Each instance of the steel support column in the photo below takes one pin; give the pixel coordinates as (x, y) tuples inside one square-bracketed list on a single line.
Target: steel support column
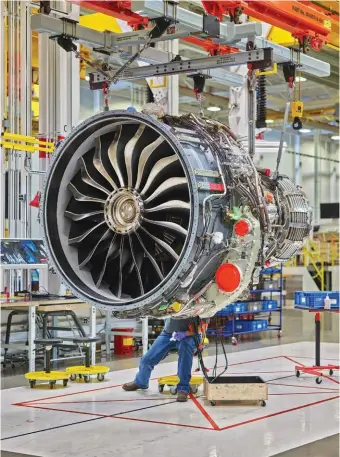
[(13, 116), (25, 109), (108, 333), (297, 174), (93, 333), (317, 178), (3, 14), (173, 81), (145, 334), (67, 87), (47, 107), (31, 338), (334, 173)]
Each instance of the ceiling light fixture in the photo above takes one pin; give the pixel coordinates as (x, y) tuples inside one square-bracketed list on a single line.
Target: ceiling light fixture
[(304, 131), (335, 137), (269, 121), (300, 79), (214, 108)]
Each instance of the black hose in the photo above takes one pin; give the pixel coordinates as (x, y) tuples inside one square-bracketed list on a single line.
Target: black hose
[(261, 102)]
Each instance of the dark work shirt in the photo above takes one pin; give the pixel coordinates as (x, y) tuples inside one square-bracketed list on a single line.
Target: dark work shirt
[(177, 325)]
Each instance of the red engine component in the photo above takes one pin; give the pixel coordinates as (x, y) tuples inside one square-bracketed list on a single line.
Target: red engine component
[(228, 277), (242, 227)]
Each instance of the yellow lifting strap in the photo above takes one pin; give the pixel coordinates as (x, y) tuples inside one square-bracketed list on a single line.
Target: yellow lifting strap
[(8, 141)]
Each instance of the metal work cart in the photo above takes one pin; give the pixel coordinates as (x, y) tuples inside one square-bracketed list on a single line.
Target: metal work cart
[(315, 302), (239, 318)]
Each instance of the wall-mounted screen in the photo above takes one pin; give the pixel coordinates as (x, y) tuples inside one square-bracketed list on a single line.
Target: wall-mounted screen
[(20, 251), (329, 210)]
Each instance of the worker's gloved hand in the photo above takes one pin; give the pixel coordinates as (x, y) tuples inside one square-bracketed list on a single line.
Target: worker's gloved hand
[(179, 336)]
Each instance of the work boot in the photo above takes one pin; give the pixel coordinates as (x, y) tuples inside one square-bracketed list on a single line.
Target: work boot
[(130, 386), (182, 397)]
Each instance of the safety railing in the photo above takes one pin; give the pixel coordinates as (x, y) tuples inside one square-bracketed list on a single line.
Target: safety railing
[(319, 252), (312, 258), (328, 246)]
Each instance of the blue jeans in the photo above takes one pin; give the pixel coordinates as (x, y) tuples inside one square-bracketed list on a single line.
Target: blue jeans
[(158, 351)]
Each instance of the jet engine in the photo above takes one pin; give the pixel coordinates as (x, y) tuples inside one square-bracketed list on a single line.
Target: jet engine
[(160, 217)]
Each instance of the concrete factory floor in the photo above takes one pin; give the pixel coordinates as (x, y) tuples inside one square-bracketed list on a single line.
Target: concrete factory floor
[(301, 418)]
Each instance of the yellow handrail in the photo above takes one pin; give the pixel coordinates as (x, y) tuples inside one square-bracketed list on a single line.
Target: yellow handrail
[(312, 250), (311, 256)]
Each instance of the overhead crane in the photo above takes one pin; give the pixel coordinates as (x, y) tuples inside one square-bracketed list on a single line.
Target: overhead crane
[(184, 25), (228, 43), (306, 22), (308, 25)]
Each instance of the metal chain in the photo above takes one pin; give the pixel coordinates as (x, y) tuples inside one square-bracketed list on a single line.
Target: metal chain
[(312, 156), (115, 78)]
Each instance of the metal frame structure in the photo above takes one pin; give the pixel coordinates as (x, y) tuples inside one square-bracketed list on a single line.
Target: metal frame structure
[(109, 41), (31, 347), (260, 58)]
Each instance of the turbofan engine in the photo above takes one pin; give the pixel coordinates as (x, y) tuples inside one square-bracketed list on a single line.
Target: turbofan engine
[(170, 216)]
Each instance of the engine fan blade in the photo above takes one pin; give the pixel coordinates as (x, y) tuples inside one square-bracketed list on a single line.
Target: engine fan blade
[(99, 270), (161, 243), (165, 186), (79, 217), (157, 168), (137, 261), (170, 225), (82, 197), (83, 262), (79, 238), (129, 151), (77, 210), (152, 260), (98, 163), (177, 204), (113, 155), (85, 176), (145, 155)]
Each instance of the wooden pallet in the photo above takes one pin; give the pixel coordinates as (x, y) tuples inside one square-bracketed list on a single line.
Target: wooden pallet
[(236, 388)]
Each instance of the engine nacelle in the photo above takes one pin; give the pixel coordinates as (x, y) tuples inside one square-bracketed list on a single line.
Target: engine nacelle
[(161, 217)]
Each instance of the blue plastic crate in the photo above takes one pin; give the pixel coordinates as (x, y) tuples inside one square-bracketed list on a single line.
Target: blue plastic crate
[(255, 307), (316, 300), (269, 305), (270, 271), (221, 331), (250, 326), (228, 326), (240, 307), (227, 311)]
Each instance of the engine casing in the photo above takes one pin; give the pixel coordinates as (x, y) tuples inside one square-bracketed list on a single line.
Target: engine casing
[(139, 215)]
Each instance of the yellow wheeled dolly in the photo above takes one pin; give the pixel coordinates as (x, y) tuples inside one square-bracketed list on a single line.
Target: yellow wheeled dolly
[(86, 371), (172, 382), (47, 376)]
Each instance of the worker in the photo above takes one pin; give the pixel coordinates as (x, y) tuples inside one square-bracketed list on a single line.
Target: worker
[(177, 333)]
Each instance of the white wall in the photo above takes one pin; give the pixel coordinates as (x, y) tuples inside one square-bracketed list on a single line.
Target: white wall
[(318, 178), (120, 97)]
